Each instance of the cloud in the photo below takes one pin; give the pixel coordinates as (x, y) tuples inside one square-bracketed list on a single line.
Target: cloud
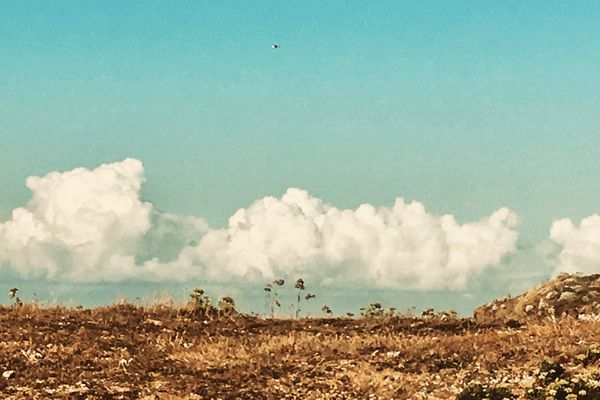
[(91, 225), (398, 247), (84, 225), (579, 246)]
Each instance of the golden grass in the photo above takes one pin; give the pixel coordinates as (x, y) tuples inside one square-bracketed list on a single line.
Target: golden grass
[(127, 351)]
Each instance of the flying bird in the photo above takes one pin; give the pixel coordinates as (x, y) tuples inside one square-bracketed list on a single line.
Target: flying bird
[(275, 45)]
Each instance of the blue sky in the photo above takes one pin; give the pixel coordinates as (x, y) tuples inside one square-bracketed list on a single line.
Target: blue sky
[(464, 106)]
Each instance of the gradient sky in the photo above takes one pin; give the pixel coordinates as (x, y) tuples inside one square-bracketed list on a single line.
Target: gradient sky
[(463, 106)]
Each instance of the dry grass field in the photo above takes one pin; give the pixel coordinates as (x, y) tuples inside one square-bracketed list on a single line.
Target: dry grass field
[(164, 352)]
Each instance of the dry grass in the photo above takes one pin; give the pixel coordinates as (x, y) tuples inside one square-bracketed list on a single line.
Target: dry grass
[(163, 352)]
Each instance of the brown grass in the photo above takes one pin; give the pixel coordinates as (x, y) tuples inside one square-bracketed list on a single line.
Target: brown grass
[(161, 352)]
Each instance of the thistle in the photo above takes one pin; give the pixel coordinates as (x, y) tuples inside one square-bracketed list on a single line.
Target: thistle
[(273, 301), (300, 286), (268, 289), (12, 294)]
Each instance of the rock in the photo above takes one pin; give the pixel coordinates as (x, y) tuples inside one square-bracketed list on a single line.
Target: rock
[(542, 304), (528, 308), (578, 288), (566, 296), (9, 374), (551, 295), (562, 275)]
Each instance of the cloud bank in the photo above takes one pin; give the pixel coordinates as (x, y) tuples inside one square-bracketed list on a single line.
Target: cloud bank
[(579, 245), (91, 225)]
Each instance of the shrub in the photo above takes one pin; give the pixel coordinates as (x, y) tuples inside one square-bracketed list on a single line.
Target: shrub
[(483, 392), (226, 306), (201, 304), (591, 356), (550, 371), (584, 387), (373, 310), (428, 313), (553, 383)]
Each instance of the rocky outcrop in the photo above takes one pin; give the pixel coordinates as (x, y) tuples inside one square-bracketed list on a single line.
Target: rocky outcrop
[(567, 294)]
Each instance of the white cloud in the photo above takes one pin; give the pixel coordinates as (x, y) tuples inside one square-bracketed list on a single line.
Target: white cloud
[(398, 247), (579, 246), (87, 225), (80, 225)]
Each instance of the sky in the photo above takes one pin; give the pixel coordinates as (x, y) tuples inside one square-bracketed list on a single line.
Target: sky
[(464, 108)]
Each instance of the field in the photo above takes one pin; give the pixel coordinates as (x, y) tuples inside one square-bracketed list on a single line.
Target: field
[(164, 352)]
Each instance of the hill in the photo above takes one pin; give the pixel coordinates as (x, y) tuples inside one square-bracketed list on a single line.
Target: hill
[(566, 295)]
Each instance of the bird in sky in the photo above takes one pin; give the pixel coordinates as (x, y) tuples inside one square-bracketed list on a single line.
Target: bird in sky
[(275, 45)]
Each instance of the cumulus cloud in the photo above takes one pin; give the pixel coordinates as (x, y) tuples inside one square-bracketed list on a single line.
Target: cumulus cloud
[(399, 247), (579, 245), (92, 225), (83, 225)]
